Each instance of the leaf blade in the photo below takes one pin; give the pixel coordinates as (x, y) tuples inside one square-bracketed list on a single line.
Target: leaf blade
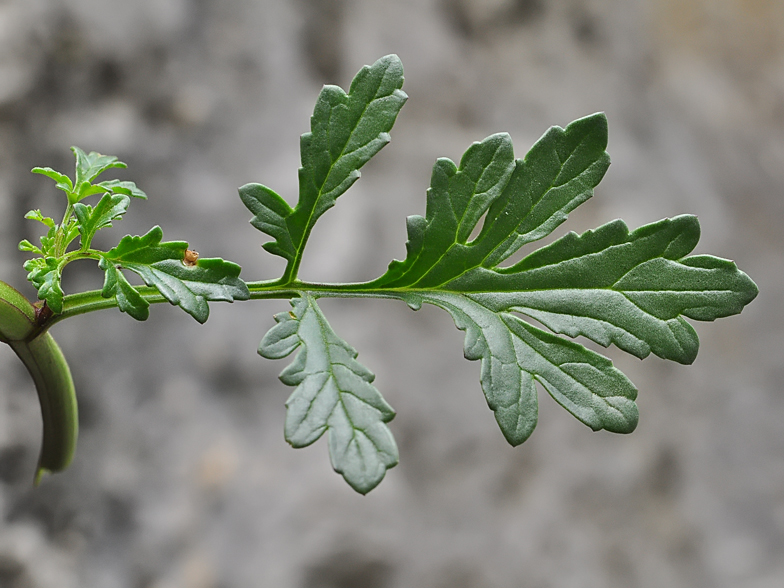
[(160, 264), (514, 354), (123, 187), (612, 285), (91, 219), (44, 274), (90, 165), (347, 130), (334, 395), (129, 300), (525, 200), (62, 181)]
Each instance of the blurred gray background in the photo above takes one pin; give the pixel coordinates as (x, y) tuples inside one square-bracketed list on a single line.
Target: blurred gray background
[(182, 478)]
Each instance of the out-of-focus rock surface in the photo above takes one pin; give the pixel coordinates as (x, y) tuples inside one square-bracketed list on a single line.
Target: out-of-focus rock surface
[(182, 478)]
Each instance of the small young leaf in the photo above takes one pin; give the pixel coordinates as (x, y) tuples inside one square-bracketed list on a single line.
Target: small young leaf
[(70, 232), (334, 394), (38, 216), (161, 265), (346, 131), (48, 242), (44, 273), (122, 187), (92, 219), (63, 182), (56, 238), (25, 245), (90, 165)]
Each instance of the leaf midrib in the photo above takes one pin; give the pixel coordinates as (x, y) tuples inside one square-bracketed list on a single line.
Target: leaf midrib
[(323, 328)]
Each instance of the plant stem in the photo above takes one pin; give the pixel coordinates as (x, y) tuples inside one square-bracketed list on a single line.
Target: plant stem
[(84, 302)]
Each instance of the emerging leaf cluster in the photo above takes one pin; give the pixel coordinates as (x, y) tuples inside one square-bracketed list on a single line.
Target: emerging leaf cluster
[(160, 264)]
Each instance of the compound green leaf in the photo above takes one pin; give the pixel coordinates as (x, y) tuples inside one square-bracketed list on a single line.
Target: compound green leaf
[(161, 264), (525, 200), (633, 289), (611, 285), (346, 131), (334, 394)]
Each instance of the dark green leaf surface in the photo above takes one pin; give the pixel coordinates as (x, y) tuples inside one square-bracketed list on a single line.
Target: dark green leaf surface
[(614, 286), (334, 394), (160, 264), (610, 285), (525, 200), (346, 131)]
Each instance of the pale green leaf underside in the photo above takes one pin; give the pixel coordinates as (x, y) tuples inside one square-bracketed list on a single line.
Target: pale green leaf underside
[(514, 354), (334, 394), (91, 165)]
